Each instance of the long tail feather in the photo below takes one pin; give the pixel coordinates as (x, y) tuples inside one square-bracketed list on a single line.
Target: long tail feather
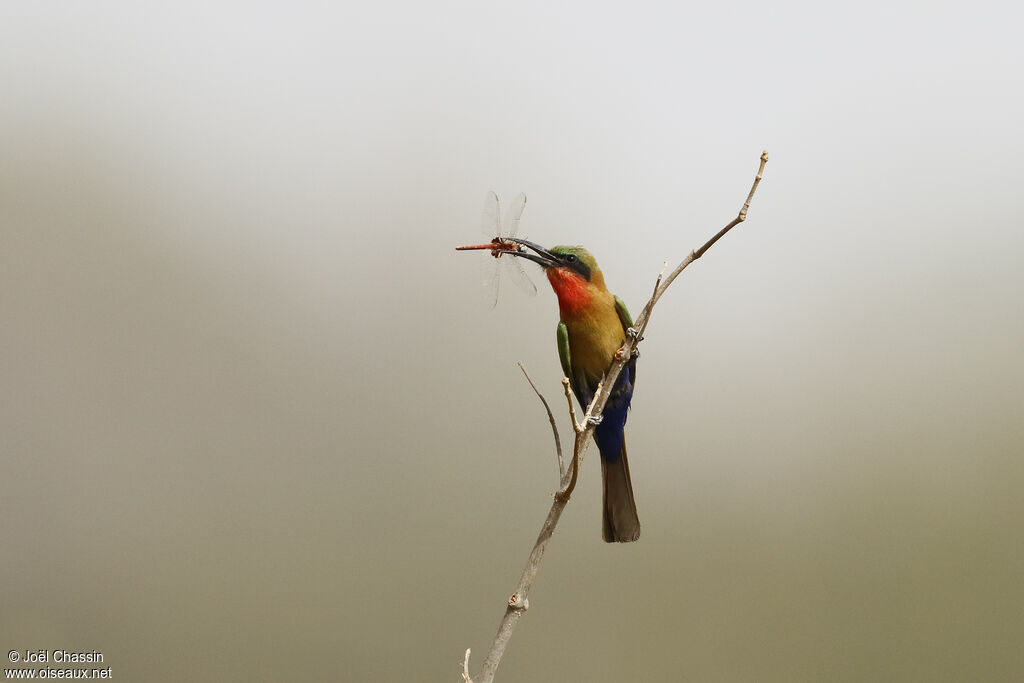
[(621, 524)]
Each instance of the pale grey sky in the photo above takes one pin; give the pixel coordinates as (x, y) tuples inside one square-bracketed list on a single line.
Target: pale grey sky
[(258, 422)]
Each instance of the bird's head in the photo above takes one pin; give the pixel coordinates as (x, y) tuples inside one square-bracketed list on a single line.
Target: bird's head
[(572, 272)]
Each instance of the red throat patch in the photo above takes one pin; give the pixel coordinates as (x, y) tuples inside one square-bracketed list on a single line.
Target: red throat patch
[(572, 290)]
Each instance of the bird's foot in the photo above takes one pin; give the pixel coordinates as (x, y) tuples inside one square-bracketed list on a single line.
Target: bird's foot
[(595, 419)]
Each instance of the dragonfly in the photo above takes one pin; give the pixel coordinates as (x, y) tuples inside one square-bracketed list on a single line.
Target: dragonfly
[(501, 234)]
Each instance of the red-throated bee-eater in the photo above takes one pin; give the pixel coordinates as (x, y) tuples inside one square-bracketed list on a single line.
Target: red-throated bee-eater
[(593, 326)]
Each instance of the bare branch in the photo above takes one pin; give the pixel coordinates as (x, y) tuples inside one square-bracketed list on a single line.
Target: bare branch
[(551, 419), (465, 668), (518, 602)]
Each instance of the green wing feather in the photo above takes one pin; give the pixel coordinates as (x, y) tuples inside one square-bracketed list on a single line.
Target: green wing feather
[(624, 317), (627, 322), (563, 351)]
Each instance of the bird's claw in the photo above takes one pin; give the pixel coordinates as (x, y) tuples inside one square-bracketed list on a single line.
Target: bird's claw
[(595, 419), (631, 332)]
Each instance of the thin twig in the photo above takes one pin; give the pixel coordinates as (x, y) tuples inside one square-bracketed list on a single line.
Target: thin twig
[(740, 217), (551, 419), (518, 603), (576, 427), (588, 416), (465, 668), (567, 486)]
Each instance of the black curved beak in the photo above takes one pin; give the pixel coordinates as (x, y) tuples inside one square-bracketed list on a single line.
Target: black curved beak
[(543, 257)]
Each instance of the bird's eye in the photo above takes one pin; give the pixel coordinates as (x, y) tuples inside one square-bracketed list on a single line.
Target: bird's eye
[(571, 258)]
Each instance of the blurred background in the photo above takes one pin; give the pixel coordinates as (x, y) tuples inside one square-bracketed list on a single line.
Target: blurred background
[(258, 422)]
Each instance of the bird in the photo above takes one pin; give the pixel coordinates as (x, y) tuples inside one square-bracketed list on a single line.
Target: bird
[(593, 323)]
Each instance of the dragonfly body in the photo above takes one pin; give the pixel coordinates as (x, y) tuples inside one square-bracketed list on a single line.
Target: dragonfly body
[(496, 246)]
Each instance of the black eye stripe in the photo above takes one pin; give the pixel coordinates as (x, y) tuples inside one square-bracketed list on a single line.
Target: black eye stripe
[(576, 264)]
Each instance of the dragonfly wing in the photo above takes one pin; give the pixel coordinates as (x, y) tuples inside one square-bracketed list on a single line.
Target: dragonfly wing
[(493, 283), (515, 210), (517, 274), (514, 270), (490, 224), (492, 227)]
